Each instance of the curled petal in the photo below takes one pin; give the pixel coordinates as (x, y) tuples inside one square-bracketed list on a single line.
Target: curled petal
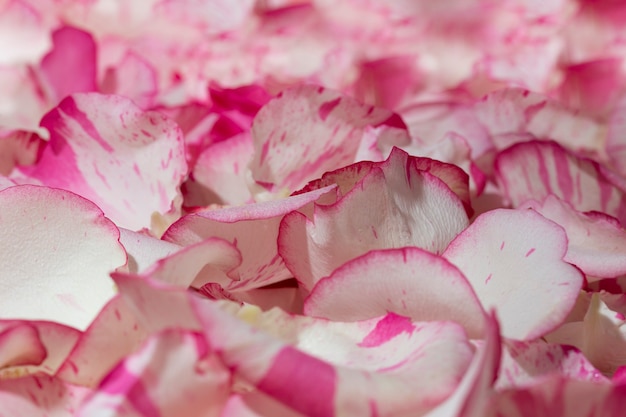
[(392, 206)]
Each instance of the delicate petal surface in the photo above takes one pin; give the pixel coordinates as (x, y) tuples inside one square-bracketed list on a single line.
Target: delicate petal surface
[(58, 244), (521, 273)]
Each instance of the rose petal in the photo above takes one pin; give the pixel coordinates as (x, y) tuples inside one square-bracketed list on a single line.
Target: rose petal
[(104, 148), (71, 248), (507, 256), (410, 282), (253, 229), (143, 382), (595, 242), (308, 130), (73, 51), (393, 206)]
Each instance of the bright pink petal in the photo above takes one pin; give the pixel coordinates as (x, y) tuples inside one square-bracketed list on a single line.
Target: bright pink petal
[(59, 251), (253, 229), (104, 148), (173, 374), (73, 52), (308, 130), (534, 170), (410, 282), (393, 206), (514, 261), (595, 242)]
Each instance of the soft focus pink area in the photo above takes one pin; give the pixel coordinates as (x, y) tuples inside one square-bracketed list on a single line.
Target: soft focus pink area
[(324, 208)]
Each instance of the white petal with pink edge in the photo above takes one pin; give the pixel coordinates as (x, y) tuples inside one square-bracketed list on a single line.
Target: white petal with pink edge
[(596, 242), (392, 206), (409, 281), (514, 261), (58, 252)]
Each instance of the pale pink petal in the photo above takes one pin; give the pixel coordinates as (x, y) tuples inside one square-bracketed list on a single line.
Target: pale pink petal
[(473, 394), (73, 52), (59, 250), (220, 173), (40, 396), (104, 148), (514, 261), (600, 336), (209, 16), (252, 229), (23, 34), (20, 345), (173, 374), (54, 341), (143, 250), (18, 148), (593, 86), (210, 260), (114, 334), (308, 130), (561, 396), (387, 365), (534, 170), (410, 282), (595, 242), (132, 77), (430, 123), (512, 113), (256, 404), (527, 363), (615, 140), (393, 206)]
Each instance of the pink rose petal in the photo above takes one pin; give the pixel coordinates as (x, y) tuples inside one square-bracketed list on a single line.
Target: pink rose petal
[(104, 148), (73, 51), (534, 170), (514, 262), (253, 229), (395, 205), (59, 250), (143, 383), (595, 242), (409, 281), (308, 130)]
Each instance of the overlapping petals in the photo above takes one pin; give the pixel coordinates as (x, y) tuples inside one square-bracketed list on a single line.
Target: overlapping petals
[(312, 208)]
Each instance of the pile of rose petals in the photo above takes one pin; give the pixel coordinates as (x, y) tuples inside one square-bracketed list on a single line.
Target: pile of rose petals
[(283, 208)]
